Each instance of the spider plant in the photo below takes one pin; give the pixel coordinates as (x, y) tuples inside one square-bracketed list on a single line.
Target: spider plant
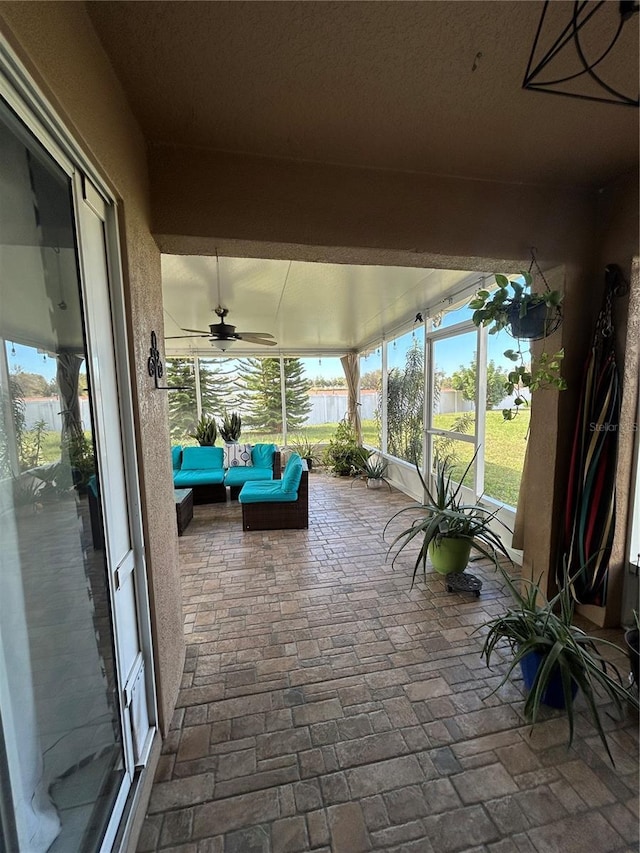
[(566, 653), (443, 515)]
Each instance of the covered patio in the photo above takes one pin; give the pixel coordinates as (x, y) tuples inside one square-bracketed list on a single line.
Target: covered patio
[(327, 706)]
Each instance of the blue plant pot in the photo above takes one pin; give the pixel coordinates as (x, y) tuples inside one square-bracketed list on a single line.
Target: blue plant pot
[(553, 696)]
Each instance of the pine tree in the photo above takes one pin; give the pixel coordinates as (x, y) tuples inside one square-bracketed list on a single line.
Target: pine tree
[(218, 386), (217, 393), (260, 401), (183, 413)]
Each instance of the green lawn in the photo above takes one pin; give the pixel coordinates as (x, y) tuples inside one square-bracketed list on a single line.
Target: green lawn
[(504, 454)]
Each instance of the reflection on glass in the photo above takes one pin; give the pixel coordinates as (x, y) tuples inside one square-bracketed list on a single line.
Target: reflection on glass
[(58, 697), (371, 397), (405, 396)]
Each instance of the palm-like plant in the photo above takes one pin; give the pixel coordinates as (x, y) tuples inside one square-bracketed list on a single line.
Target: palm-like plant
[(374, 468), (205, 432), (565, 652), (443, 515), (305, 448), (231, 427)]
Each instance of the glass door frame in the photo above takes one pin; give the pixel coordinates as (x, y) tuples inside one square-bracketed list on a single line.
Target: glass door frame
[(433, 336), (26, 100)]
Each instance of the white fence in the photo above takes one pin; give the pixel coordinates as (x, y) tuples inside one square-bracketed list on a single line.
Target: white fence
[(331, 407), (48, 409), (326, 408)]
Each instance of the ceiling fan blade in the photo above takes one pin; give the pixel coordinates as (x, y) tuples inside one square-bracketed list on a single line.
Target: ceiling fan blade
[(175, 337), (256, 339), (199, 331), (255, 334)]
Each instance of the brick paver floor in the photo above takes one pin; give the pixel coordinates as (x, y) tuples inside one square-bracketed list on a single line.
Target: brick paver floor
[(326, 706)]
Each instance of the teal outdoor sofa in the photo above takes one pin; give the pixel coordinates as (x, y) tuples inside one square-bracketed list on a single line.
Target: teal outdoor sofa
[(278, 505), (202, 469)]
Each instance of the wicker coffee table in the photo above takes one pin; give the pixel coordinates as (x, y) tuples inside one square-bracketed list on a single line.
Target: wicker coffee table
[(184, 508)]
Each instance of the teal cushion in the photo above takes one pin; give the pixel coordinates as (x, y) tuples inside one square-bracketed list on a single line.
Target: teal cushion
[(193, 477), (240, 475), (198, 458), (176, 457), (92, 485), (262, 455), (255, 493), (292, 473)]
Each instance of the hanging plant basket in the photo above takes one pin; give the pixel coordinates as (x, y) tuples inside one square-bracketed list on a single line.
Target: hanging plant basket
[(538, 322)]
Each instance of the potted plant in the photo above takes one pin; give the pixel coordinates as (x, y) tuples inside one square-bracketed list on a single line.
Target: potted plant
[(81, 458), (206, 432), (515, 307), (308, 451), (528, 316), (446, 528), (556, 657), (374, 470), (230, 428), (344, 455)]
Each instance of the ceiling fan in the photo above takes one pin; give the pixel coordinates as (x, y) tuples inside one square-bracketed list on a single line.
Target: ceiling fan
[(222, 335)]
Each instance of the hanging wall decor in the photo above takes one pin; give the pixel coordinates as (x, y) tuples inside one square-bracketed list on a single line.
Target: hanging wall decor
[(590, 508)]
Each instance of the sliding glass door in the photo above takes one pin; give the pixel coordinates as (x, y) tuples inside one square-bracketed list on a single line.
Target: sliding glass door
[(73, 708)]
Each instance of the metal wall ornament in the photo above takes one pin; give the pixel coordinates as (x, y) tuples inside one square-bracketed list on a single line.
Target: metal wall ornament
[(583, 53), (156, 369)]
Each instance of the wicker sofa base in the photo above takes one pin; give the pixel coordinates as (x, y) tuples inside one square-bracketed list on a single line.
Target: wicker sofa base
[(276, 515)]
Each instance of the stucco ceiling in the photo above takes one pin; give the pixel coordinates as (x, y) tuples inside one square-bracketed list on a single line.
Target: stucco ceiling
[(430, 87), (421, 86), (307, 307)]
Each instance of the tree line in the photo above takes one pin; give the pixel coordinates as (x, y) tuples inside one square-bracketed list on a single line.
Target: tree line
[(250, 386)]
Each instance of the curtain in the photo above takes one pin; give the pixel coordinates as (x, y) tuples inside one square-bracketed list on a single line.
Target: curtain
[(68, 377), (351, 366)]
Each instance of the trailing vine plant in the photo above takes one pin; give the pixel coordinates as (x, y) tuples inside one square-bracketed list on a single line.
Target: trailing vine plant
[(506, 308)]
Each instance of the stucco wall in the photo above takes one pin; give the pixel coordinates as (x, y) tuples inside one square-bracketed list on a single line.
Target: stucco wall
[(59, 47), (208, 194)]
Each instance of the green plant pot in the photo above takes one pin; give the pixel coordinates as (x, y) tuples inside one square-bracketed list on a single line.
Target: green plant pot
[(450, 555)]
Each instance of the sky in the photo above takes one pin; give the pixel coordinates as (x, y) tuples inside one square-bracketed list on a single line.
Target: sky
[(30, 360), (450, 354)]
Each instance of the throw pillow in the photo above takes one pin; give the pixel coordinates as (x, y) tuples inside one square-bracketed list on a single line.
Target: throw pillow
[(236, 455)]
